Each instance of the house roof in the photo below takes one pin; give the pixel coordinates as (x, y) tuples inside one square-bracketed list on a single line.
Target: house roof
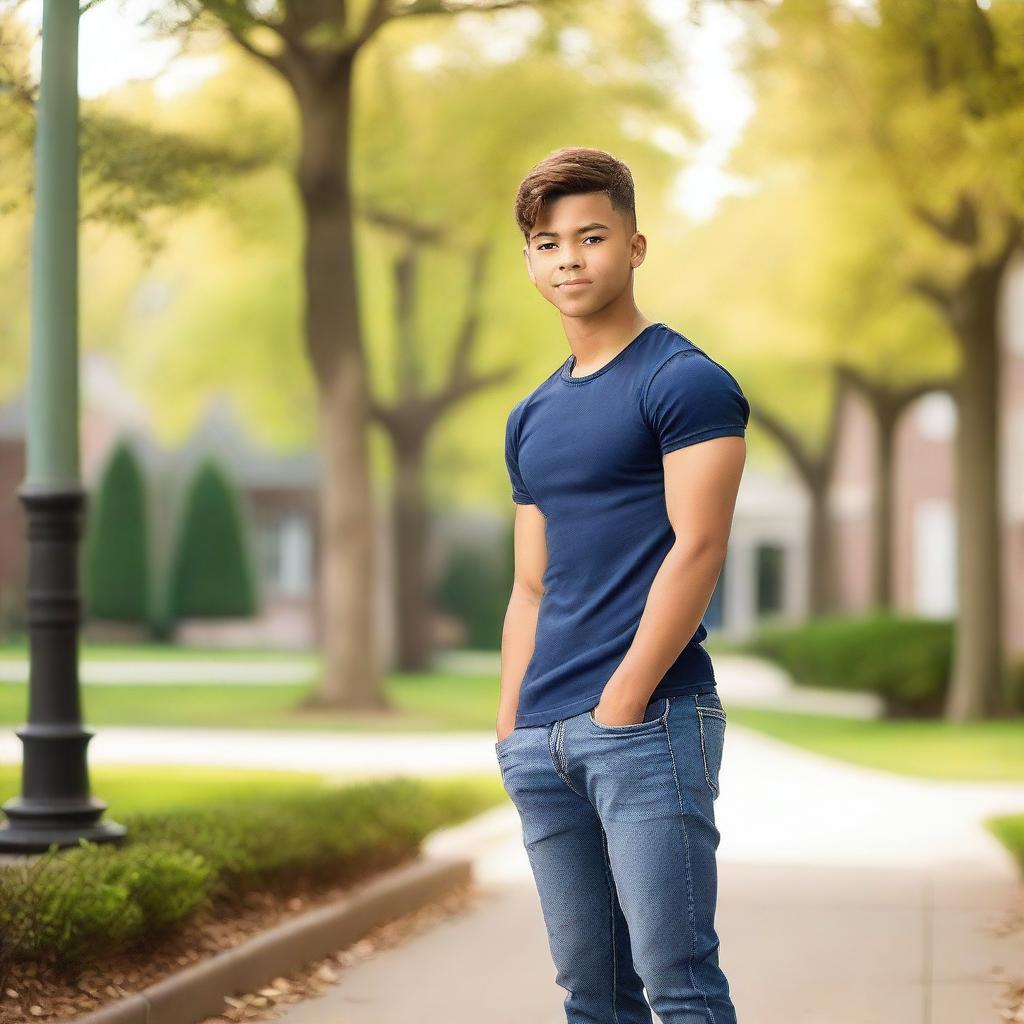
[(111, 413)]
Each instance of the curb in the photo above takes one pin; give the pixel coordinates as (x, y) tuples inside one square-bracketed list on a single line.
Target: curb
[(198, 991)]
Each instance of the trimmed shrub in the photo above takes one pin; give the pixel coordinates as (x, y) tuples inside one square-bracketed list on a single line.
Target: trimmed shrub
[(116, 545), (79, 903), (474, 587), (906, 660), (73, 908), (212, 574)]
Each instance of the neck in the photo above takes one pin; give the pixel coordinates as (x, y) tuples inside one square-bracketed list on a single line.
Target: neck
[(595, 340)]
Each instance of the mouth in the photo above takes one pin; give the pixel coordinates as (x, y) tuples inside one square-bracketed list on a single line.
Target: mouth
[(572, 284)]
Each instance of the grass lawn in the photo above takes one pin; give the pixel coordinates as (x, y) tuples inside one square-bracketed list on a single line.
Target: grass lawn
[(161, 788), (128, 789), (423, 703), (977, 751), (1009, 830)]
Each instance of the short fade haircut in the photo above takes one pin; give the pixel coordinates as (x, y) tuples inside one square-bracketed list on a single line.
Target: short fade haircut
[(570, 171)]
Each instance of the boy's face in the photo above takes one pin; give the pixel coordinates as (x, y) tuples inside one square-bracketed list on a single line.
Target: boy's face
[(582, 237)]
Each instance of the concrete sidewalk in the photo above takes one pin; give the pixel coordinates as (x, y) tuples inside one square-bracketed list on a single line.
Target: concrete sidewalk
[(800, 946), (179, 671), (847, 896)]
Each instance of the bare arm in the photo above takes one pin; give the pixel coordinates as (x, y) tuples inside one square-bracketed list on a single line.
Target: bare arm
[(520, 626), (701, 483)]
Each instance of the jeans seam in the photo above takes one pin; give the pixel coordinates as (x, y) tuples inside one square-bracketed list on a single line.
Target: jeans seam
[(611, 922), (557, 756), (711, 711), (689, 877), (704, 756)]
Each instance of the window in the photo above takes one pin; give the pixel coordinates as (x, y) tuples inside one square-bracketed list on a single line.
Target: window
[(768, 567), (286, 555), (935, 558)]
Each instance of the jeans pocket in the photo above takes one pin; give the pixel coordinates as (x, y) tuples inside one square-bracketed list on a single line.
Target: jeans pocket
[(710, 703), (712, 743), (653, 720), (502, 743)]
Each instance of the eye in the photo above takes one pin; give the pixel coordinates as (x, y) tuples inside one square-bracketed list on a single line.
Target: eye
[(544, 245)]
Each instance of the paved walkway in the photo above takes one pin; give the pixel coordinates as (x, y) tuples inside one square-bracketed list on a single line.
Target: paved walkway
[(847, 896), (180, 671)]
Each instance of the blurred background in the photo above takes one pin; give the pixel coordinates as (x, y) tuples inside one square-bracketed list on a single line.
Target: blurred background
[(304, 317), (831, 201)]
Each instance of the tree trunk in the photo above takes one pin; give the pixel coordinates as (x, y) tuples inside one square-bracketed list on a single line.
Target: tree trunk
[(976, 687), (413, 604), (815, 470), (821, 576), (348, 626), (882, 597)]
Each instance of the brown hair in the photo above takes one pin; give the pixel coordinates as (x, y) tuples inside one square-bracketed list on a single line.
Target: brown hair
[(570, 171)]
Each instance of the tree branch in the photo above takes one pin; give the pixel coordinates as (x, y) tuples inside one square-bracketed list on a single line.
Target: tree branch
[(272, 59), (961, 227), (788, 438), (458, 368), (932, 291), (413, 231), (419, 7), (378, 15)]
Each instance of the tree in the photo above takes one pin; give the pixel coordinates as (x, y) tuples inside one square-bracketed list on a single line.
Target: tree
[(128, 168), (887, 403), (459, 216), (116, 549), (436, 157), (821, 317), (959, 76), (211, 574), (313, 48)]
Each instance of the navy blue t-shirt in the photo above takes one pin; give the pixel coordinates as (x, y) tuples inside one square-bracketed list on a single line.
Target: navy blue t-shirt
[(587, 452)]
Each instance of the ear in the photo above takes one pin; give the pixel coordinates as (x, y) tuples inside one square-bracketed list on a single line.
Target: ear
[(638, 249), (529, 266)]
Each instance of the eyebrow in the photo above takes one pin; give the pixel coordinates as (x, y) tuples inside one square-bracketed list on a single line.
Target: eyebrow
[(579, 231)]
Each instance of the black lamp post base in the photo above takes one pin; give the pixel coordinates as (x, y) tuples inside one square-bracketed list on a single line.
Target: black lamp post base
[(55, 805), (34, 829)]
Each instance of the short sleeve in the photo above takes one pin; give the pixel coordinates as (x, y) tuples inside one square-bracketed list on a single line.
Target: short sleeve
[(520, 493), (692, 398)]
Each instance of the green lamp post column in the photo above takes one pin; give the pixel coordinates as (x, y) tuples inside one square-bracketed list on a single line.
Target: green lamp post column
[(55, 805)]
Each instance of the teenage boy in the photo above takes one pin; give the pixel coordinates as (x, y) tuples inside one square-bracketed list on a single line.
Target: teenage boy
[(625, 463)]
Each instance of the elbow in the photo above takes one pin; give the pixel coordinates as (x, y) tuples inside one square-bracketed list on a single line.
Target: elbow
[(711, 545), (527, 591)]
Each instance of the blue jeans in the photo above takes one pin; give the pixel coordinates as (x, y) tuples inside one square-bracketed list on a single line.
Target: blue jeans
[(619, 826)]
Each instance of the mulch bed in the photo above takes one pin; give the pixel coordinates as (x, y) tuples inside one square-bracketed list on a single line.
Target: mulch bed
[(32, 994)]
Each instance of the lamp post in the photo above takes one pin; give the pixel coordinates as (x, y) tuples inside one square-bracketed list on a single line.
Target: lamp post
[(55, 805)]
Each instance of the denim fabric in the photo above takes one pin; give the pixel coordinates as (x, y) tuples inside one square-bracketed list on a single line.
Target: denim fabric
[(619, 826)]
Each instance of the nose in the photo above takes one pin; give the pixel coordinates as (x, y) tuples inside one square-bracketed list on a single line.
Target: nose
[(570, 260)]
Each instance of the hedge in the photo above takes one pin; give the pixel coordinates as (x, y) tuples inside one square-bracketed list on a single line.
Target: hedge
[(904, 659), (75, 907), (212, 572), (116, 572)]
